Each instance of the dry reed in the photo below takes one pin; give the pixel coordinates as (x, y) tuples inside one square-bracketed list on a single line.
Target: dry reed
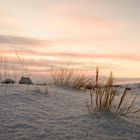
[(103, 98), (67, 77)]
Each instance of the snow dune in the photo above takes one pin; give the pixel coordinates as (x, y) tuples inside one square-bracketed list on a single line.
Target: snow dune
[(27, 114)]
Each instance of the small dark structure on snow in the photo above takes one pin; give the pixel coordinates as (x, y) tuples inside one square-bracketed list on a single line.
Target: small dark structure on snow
[(25, 80), (8, 81)]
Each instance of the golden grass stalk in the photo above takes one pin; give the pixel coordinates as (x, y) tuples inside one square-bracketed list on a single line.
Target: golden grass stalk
[(104, 97), (67, 77)]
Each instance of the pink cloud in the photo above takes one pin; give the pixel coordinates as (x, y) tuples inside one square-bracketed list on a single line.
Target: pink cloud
[(31, 63), (82, 26), (73, 17), (63, 54), (74, 14), (98, 22)]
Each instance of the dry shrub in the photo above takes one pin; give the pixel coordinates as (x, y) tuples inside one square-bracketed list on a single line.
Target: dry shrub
[(126, 105), (67, 77), (62, 76), (103, 98)]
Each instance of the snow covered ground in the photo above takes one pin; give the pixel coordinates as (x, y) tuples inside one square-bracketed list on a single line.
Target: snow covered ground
[(28, 113)]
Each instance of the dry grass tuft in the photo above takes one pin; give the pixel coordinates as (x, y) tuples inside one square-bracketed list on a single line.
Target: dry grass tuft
[(67, 77), (103, 98)]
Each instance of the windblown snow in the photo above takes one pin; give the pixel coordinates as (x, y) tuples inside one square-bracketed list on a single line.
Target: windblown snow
[(29, 113)]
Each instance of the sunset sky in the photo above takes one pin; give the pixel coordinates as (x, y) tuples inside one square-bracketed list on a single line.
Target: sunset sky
[(90, 33)]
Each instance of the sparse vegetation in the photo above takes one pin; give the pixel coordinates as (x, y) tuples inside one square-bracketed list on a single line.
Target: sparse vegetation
[(103, 98), (67, 77)]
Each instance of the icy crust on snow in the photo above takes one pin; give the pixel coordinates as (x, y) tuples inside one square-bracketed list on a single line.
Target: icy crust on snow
[(28, 113)]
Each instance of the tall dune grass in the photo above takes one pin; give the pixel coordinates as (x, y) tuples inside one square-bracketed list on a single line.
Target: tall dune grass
[(67, 77), (103, 98)]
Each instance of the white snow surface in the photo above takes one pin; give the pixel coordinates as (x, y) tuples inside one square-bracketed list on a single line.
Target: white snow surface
[(27, 112)]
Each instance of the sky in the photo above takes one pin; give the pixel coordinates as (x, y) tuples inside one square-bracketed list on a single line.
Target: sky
[(88, 33)]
